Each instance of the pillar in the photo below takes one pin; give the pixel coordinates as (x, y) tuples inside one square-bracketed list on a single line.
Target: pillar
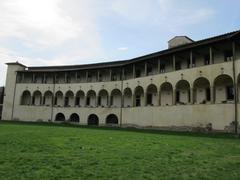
[(191, 96), (212, 95), (210, 55), (145, 68), (174, 97), (159, 64), (191, 59), (134, 71), (174, 62)]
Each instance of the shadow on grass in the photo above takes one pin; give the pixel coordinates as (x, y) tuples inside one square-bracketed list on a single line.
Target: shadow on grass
[(127, 129)]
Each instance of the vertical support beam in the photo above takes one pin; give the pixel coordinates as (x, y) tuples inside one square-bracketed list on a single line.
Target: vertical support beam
[(235, 88), (145, 68), (98, 75), (174, 62), (134, 73), (191, 59), (123, 74), (174, 97), (86, 76), (110, 74), (44, 78), (65, 77), (210, 55), (212, 95), (191, 96), (159, 64), (33, 77)]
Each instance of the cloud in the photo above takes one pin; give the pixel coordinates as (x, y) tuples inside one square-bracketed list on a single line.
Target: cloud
[(123, 48)]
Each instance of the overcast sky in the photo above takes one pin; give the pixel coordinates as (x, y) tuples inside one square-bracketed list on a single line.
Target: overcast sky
[(58, 32)]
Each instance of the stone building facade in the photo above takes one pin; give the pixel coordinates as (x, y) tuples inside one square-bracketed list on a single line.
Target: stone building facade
[(1, 100), (191, 85)]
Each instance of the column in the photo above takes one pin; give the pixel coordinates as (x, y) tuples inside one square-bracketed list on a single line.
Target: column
[(123, 74), (174, 97), (134, 71), (212, 95), (210, 55), (159, 64), (191, 96), (110, 74), (86, 77), (98, 75), (191, 59), (145, 68), (174, 62)]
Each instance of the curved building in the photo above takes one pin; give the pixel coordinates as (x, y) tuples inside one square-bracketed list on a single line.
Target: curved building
[(192, 85)]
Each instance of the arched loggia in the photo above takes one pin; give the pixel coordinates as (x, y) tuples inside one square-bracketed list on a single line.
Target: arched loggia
[(152, 95), (182, 92), (166, 94), (26, 98), (201, 91), (127, 97)]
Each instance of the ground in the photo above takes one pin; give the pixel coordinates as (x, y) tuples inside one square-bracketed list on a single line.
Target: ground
[(46, 151)]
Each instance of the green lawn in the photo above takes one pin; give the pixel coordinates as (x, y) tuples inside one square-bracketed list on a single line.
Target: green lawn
[(36, 151)]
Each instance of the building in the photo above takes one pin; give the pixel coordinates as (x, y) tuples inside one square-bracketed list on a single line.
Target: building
[(191, 85), (1, 100)]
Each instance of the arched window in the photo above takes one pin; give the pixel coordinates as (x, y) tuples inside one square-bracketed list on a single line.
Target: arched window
[(60, 117), (166, 94), (127, 97), (79, 100), (152, 95), (69, 99), (91, 98), (58, 99), (182, 92), (139, 96), (112, 119), (201, 90), (48, 98), (37, 98), (74, 118), (224, 91), (26, 98), (103, 98), (116, 98), (93, 120)]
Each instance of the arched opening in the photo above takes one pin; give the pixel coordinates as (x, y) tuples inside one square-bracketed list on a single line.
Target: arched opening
[(139, 96), (91, 99), (58, 99), (166, 94), (182, 92), (201, 91), (127, 97), (26, 98), (112, 119), (74, 118), (116, 98), (224, 91), (79, 101), (60, 117), (152, 95), (37, 98), (48, 98), (69, 99), (93, 120), (103, 98)]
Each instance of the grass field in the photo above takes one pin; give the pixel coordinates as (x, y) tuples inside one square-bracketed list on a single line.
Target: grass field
[(32, 151)]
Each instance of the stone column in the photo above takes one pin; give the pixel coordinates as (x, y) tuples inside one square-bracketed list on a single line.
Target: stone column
[(191, 59), (134, 74), (145, 68), (191, 96), (174, 97), (174, 62), (212, 95), (210, 55)]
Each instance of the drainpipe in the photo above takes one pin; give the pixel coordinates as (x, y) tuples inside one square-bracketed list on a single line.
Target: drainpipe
[(235, 89)]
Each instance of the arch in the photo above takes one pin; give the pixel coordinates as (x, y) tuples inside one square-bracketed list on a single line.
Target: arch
[(74, 118), (116, 98), (138, 96), (93, 120), (127, 97), (37, 98), (26, 98), (166, 94), (60, 117), (91, 98), (69, 99), (103, 98), (58, 99), (152, 95), (201, 90), (48, 98), (112, 119), (223, 86), (182, 92), (79, 100)]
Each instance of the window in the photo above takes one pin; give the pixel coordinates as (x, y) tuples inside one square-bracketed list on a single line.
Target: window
[(228, 56), (99, 100), (207, 59), (230, 93), (149, 99), (178, 65), (162, 68), (88, 101), (208, 94), (77, 101), (138, 73), (138, 100), (66, 101)]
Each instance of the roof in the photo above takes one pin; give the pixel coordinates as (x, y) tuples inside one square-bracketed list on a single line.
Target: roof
[(121, 63)]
